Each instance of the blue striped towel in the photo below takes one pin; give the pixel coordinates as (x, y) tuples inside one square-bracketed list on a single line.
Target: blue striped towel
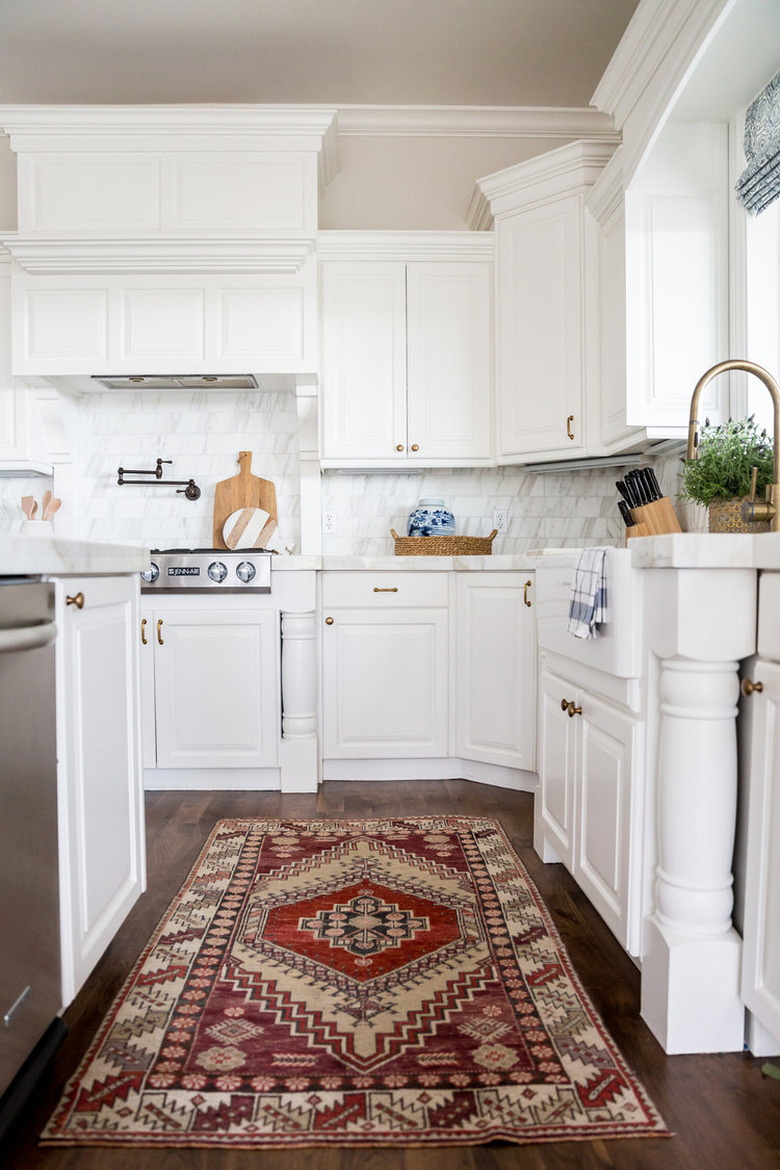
[(588, 600)]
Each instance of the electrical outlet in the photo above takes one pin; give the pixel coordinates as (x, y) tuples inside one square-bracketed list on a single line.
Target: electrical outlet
[(328, 523), (501, 519)]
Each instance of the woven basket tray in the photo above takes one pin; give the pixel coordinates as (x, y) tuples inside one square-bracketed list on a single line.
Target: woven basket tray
[(443, 546)]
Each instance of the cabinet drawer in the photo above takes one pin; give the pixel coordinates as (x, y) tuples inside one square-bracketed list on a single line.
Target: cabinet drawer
[(384, 589)]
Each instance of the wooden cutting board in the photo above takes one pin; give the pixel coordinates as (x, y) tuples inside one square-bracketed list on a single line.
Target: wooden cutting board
[(242, 491)]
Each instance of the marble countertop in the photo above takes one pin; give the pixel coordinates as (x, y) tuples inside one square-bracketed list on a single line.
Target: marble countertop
[(34, 556), (706, 550)]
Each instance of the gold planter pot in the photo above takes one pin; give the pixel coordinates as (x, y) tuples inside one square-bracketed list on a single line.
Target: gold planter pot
[(725, 516)]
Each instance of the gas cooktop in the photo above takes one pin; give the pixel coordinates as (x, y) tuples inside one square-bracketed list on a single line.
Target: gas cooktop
[(235, 570)]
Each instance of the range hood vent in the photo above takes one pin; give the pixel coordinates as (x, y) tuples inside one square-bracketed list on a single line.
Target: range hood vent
[(671, 446), (178, 382)]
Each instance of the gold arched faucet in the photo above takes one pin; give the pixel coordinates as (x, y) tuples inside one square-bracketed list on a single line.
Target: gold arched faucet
[(753, 510)]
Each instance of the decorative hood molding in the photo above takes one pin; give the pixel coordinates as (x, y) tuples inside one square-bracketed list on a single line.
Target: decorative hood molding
[(91, 255)]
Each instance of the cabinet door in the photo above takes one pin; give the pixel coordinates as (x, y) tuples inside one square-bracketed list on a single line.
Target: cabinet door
[(385, 679), (540, 333), (363, 361), (496, 669), (102, 833), (761, 930), (607, 848), (216, 678), (450, 388), (558, 749)]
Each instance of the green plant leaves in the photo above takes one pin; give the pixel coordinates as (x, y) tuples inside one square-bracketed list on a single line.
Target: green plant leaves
[(727, 455)]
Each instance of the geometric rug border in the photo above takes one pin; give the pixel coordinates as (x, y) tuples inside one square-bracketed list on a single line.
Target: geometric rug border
[(577, 1085)]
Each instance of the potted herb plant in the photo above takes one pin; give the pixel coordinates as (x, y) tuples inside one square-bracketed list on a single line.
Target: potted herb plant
[(720, 477)]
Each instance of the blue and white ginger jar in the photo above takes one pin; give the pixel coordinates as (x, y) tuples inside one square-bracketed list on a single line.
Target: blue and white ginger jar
[(430, 518)]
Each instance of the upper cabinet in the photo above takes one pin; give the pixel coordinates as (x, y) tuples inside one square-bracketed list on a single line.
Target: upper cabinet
[(677, 87), (547, 296), (166, 239), (406, 361)]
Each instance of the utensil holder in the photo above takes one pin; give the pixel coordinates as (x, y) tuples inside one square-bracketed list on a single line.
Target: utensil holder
[(654, 519)]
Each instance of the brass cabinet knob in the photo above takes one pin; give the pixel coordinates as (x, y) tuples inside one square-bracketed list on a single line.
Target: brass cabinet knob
[(329, 621), (526, 587), (159, 634), (78, 600), (567, 705), (415, 446), (400, 447), (143, 632), (748, 687)]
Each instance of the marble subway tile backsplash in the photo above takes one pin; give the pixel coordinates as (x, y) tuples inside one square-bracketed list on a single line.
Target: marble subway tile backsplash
[(202, 432), (567, 509)]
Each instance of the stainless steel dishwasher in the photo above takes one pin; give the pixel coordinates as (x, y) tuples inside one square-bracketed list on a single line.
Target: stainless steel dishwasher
[(30, 984)]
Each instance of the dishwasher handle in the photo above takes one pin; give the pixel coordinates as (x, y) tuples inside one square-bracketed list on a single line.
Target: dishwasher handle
[(27, 637)]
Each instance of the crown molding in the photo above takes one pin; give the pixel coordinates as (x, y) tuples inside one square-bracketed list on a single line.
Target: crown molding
[(473, 121), (92, 256), (400, 245), (659, 48), (567, 170), (606, 194)]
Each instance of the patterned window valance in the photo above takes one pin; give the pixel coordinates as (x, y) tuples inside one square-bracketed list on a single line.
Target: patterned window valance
[(759, 183)]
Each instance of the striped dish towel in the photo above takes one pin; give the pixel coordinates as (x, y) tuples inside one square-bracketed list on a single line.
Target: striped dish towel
[(588, 600)]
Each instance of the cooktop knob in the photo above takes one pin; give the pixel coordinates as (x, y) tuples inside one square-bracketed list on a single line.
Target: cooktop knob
[(150, 574), (217, 571), (245, 571)]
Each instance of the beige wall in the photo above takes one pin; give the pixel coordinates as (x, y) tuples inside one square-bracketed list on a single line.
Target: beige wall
[(416, 183), (7, 187)]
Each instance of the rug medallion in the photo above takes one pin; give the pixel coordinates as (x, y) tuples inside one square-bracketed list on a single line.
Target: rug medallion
[(353, 982)]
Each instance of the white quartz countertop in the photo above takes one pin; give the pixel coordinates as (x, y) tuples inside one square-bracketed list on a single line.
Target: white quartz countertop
[(33, 556), (521, 562), (706, 550)]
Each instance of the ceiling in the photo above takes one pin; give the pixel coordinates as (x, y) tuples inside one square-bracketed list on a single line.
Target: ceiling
[(333, 52)]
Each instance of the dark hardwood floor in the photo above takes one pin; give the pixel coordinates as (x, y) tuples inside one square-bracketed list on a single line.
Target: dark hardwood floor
[(723, 1112)]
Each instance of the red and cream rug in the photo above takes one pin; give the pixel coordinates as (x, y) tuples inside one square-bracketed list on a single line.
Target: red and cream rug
[(356, 983)]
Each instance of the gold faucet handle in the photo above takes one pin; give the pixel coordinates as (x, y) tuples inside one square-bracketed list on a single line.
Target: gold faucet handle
[(753, 483)]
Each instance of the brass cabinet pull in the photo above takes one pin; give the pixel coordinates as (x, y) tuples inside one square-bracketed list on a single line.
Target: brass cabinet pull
[(385, 589), (748, 687), (329, 621), (415, 446), (400, 447), (78, 600), (567, 705), (159, 635), (143, 632), (526, 587), (569, 421)]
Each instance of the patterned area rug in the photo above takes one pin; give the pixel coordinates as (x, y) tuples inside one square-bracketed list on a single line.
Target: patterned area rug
[(357, 983)]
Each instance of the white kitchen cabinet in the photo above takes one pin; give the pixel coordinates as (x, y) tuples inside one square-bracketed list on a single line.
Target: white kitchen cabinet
[(546, 281), (102, 839), (587, 808), (211, 687), (406, 362), (495, 718), (385, 665)]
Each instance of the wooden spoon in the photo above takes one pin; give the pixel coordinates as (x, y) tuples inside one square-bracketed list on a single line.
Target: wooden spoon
[(28, 505), (52, 508), (45, 504)]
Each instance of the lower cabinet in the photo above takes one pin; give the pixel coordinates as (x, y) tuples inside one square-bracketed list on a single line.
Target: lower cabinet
[(385, 665), (210, 686), (761, 912), (430, 665), (101, 815), (587, 809), (495, 718)]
